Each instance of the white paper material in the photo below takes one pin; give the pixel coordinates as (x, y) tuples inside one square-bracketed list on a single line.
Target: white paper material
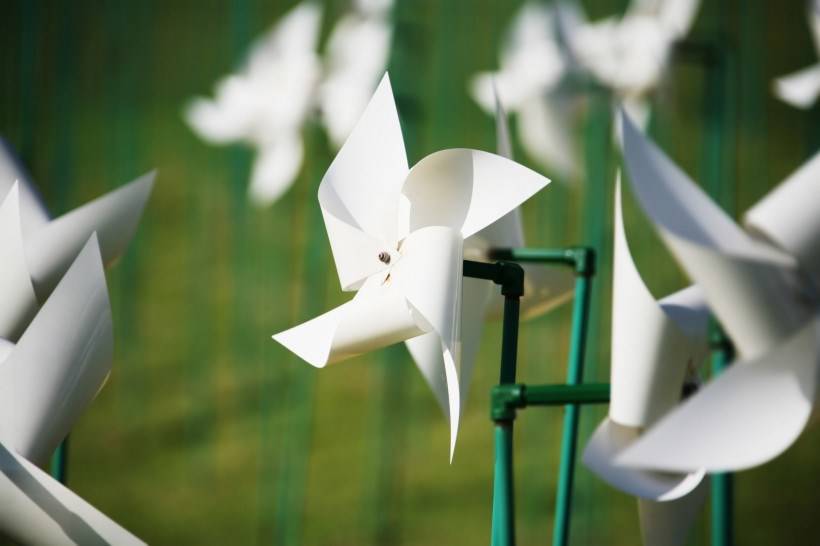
[(745, 417), (39, 510), (670, 523), (397, 236), (746, 282), (651, 355), (266, 103), (33, 212), (789, 217), (800, 89), (59, 363), (114, 217), (19, 303), (533, 66)]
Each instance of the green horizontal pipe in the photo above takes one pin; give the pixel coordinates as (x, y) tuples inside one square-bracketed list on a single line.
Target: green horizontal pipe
[(582, 259), (506, 399)]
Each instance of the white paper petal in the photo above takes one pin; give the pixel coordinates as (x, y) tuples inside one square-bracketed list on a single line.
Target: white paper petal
[(60, 362), (461, 189), (275, 168), (650, 353), (361, 188), (39, 510), (610, 439), (799, 89), (543, 127), (746, 282), (789, 216), (376, 317), (670, 523), (114, 217), (16, 291), (503, 143), (745, 417), (33, 212)]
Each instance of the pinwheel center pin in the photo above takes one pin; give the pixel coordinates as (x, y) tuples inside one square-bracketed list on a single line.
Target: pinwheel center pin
[(384, 257)]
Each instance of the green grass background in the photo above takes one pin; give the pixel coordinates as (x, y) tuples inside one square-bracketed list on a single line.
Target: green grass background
[(210, 433)]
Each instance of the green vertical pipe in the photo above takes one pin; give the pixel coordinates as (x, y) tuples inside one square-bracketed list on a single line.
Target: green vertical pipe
[(722, 491), (566, 470), (503, 530), (503, 518)]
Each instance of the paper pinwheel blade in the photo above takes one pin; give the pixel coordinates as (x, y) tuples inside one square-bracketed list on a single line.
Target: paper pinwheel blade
[(747, 416), (39, 510), (60, 362)]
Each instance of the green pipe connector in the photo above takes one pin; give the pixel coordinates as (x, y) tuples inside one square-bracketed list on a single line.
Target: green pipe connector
[(505, 400), (580, 258)]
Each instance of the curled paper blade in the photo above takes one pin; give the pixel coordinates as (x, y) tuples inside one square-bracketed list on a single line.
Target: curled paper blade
[(670, 523), (610, 439), (60, 362), (459, 188), (650, 357), (16, 291), (789, 217), (650, 352), (745, 281), (359, 194), (114, 216), (33, 212), (276, 165), (39, 510), (745, 417)]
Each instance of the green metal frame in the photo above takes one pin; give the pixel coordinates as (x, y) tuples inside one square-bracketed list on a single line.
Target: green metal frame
[(59, 462), (508, 397)]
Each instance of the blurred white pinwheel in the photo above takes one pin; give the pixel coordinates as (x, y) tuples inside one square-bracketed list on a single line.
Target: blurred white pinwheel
[(629, 54), (47, 379), (656, 348), (761, 284), (357, 52), (51, 245), (800, 89), (266, 102), (533, 67), (397, 236)]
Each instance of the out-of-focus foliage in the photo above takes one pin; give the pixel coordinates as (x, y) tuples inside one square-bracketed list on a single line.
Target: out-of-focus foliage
[(210, 433)]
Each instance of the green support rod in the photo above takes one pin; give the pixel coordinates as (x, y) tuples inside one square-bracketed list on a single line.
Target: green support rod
[(722, 493), (506, 399), (59, 462), (566, 469), (510, 276)]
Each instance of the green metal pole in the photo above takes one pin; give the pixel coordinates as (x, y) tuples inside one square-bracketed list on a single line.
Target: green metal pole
[(59, 462), (503, 530), (566, 471), (722, 490)]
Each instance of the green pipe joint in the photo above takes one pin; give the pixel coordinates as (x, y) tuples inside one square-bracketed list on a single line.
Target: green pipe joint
[(505, 400)]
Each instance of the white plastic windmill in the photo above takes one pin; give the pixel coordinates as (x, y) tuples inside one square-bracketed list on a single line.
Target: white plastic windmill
[(657, 347), (397, 236), (800, 89), (630, 54), (761, 284), (533, 68), (266, 103), (48, 376)]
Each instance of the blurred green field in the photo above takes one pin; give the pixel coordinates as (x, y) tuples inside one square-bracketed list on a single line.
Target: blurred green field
[(210, 433)]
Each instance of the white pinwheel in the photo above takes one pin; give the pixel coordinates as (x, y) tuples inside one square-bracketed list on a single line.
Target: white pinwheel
[(52, 244), (397, 236), (47, 379), (761, 284), (533, 68), (266, 103), (356, 53), (656, 349), (629, 54), (800, 89)]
